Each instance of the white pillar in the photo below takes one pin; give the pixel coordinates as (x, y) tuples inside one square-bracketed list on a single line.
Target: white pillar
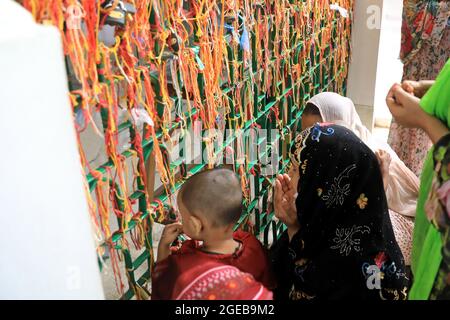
[(46, 241), (375, 49), (390, 68)]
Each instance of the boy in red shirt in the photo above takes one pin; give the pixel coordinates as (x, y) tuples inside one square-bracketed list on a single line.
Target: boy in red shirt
[(210, 204)]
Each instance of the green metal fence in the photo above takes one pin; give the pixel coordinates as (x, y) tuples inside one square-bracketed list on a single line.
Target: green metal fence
[(313, 60)]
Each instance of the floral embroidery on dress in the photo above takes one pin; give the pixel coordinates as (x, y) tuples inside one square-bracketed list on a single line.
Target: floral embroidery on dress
[(362, 201), (299, 295), (380, 259), (305, 163), (433, 207), (300, 143), (444, 195), (345, 240), (317, 132), (389, 271), (300, 268), (393, 294), (438, 202), (217, 284), (437, 211), (292, 253), (338, 192)]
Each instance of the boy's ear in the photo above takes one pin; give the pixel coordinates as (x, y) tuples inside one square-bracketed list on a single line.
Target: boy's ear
[(197, 226)]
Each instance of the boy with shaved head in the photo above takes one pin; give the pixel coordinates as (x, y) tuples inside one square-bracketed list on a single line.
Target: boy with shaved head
[(210, 204)]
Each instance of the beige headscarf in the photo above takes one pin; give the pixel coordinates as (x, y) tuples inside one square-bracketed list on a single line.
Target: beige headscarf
[(403, 187)]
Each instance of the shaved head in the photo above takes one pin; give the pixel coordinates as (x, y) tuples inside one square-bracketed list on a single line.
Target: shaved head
[(214, 194)]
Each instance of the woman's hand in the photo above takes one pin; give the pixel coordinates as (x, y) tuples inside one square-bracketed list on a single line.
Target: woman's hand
[(384, 160), (407, 112), (417, 88), (284, 203), (405, 107)]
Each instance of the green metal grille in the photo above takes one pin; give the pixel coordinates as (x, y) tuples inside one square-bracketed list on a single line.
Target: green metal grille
[(321, 73)]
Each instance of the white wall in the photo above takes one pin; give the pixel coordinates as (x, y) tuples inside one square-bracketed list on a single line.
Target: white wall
[(374, 65), (46, 243), (390, 68)]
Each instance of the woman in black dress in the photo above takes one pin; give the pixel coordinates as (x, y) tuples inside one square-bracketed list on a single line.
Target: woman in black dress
[(339, 242)]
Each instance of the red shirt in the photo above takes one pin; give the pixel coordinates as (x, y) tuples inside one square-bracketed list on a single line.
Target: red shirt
[(251, 258)]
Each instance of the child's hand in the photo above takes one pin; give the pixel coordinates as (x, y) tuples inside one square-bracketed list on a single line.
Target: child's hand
[(284, 203), (384, 160), (169, 235)]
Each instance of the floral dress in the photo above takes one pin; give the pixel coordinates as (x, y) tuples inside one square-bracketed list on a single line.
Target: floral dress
[(438, 212), (425, 50)]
